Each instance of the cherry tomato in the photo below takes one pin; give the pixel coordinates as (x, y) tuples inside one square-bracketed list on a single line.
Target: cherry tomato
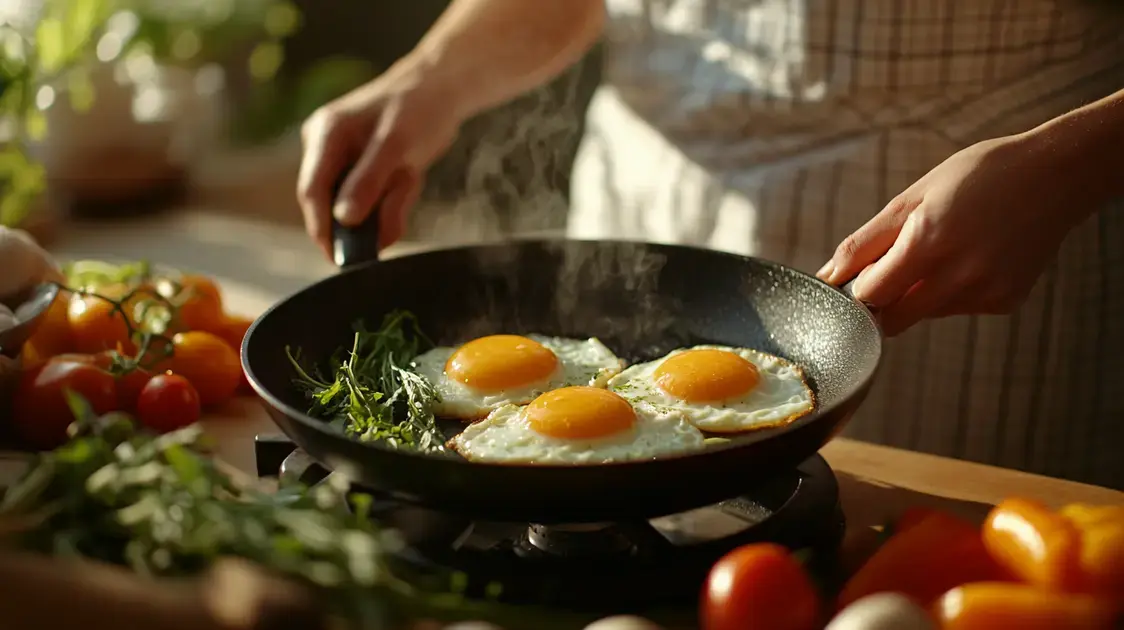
[(31, 357), (202, 307), (96, 326), (234, 331), (168, 402), (53, 336), (208, 362), (41, 413), (98, 359), (759, 586), (129, 384)]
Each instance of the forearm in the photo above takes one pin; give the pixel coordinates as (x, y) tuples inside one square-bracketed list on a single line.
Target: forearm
[(1086, 148), (486, 52)]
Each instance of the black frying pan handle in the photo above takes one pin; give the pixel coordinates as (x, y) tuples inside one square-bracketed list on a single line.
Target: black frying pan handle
[(849, 289), (355, 245)]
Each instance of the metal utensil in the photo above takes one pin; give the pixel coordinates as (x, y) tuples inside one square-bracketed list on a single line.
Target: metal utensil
[(33, 307)]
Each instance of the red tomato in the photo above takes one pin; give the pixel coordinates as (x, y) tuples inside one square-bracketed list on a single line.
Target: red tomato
[(759, 586), (209, 363), (129, 388), (168, 402), (41, 413), (129, 385)]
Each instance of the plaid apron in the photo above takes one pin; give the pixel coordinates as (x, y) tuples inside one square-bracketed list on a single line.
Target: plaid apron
[(776, 127)]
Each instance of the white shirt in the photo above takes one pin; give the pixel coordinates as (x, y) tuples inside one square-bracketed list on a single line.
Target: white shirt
[(776, 127)]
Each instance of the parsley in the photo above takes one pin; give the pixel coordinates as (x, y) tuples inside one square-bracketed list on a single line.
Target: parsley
[(162, 506)]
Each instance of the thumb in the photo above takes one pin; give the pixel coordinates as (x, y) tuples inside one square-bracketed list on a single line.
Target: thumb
[(868, 243)]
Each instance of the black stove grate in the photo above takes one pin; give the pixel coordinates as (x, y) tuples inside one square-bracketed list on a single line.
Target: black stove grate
[(618, 565)]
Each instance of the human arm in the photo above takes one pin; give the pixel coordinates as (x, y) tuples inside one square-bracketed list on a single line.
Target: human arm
[(1086, 146), (974, 234), (479, 54), (487, 52)]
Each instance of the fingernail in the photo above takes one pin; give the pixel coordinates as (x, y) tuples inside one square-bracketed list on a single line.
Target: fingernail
[(857, 290), (343, 211), (825, 272)]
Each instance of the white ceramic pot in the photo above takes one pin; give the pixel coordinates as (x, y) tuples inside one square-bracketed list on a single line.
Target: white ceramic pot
[(147, 126)]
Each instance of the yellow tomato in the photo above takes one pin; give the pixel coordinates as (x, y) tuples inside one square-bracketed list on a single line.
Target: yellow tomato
[(208, 363), (201, 308), (96, 326), (234, 331)]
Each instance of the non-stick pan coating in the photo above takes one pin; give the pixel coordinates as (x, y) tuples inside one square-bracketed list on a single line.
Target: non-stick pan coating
[(642, 300)]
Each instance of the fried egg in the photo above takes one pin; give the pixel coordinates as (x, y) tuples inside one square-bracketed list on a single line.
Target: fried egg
[(576, 425), (490, 372), (720, 389)]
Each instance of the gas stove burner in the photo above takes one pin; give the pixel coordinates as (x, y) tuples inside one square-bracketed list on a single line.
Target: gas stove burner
[(591, 566), (598, 539)]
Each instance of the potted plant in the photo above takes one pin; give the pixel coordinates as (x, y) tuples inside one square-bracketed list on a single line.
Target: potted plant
[(110, 101)]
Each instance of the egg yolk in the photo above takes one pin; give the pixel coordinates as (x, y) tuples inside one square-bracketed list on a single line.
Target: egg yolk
[(706, 375), (579, 413), (499, 362)]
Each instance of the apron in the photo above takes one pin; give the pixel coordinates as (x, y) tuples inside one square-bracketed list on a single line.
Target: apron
[(774, 128)]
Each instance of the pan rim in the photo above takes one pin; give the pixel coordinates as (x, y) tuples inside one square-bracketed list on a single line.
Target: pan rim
[(859, 385)]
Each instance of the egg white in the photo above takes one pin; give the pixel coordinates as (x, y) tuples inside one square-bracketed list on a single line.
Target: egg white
[(781, 396), (505, 436), (580, 362)]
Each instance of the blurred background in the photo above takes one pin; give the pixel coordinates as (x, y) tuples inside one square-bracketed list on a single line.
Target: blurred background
[(114, 108)]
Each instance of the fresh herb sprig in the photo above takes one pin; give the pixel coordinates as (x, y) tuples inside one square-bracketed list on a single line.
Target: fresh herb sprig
[(371, 391), (161, 506)]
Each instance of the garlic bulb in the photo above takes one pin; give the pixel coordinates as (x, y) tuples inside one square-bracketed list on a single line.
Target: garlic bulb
[(23, 263), (622, 622), (882, 611), (7, 318)]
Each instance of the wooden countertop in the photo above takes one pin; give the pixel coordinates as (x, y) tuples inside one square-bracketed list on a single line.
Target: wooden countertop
[(258, 263)]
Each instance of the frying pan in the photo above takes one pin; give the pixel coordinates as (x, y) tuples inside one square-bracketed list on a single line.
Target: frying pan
[(640, 299)]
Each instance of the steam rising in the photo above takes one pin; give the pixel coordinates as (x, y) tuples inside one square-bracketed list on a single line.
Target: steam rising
[(572, 289), (516, 164), (509, 172), (591, 287)]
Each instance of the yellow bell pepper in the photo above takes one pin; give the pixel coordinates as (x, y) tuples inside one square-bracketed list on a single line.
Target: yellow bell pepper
[(1079, 549), (1101, 559), (994, 605)]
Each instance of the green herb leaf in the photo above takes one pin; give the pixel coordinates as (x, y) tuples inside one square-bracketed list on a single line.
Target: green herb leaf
[(161, 506), (372, 392)]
